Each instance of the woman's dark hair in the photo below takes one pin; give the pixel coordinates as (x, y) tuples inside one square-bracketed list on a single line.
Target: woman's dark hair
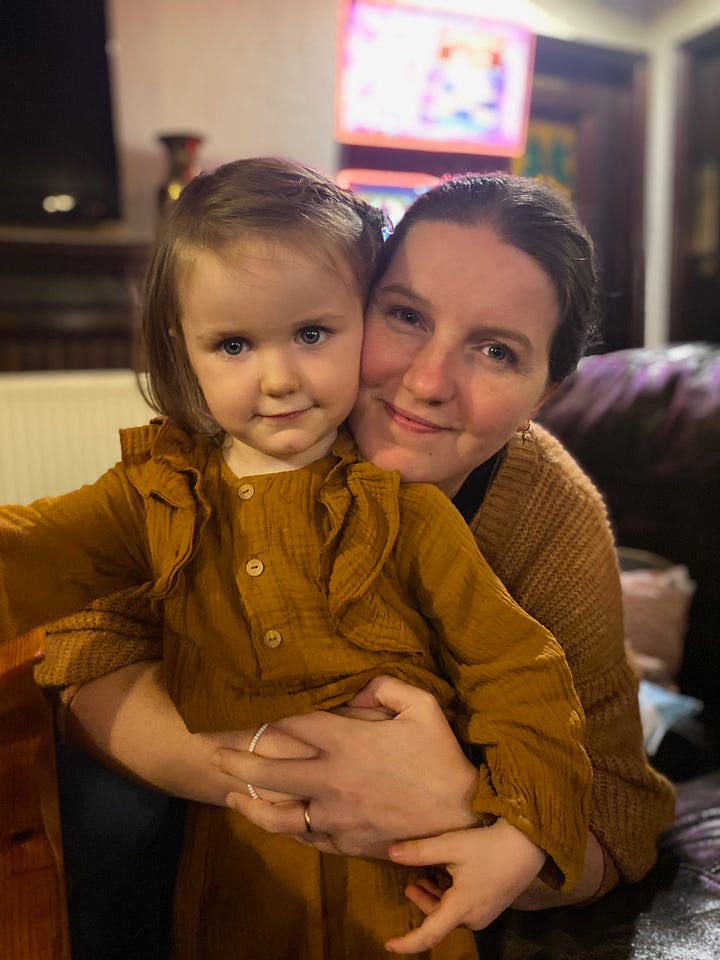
[(533, 218), (272, 198)]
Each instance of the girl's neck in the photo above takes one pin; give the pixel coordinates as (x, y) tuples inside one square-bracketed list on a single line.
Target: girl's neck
[(246, 461)]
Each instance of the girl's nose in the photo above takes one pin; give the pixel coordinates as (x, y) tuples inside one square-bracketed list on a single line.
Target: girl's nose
[(429, 377), (278, 375)]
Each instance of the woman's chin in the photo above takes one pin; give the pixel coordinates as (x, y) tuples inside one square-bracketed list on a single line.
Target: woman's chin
[(413, 467)]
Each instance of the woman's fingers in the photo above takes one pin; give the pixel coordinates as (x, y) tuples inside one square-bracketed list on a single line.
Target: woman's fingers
[(391, 694), (285, 817), (299, 778), (320, 729)]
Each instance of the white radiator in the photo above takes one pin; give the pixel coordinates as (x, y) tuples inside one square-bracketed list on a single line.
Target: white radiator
[(59, 430)]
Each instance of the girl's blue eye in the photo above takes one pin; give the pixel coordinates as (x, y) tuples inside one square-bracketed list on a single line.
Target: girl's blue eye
[(233, 346), (311, 335)]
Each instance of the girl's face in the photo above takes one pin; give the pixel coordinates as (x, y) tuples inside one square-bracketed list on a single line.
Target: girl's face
[(455, 358), (273, 336)]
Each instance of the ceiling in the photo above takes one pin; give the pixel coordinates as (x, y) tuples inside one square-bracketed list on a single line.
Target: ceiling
[(641, 9)]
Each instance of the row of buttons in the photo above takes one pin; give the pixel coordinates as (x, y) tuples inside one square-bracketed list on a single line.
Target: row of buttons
[(273, 638), (254, 567)]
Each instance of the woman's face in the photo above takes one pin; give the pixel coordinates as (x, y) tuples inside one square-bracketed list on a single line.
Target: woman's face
[(455, 356)]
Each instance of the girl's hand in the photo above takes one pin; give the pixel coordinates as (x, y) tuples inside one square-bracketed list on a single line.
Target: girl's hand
[(368, 784), (489, 866)]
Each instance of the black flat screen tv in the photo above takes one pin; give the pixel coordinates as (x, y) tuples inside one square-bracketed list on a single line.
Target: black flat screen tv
[(57, 148)]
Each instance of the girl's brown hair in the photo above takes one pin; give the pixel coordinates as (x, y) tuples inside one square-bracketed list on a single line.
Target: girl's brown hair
[(272, 197)]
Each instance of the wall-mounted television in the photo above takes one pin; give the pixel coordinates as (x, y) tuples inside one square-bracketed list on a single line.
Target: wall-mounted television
[(57, 149), (391, 191), (411, 77)]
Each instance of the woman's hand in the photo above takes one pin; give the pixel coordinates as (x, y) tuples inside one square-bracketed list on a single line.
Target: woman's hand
[(369, 784), (489, 866)]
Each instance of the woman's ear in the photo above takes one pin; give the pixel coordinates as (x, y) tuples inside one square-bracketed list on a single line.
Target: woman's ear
[(547, 393)]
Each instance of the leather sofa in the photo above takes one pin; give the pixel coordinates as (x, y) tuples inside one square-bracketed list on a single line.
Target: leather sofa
[(645, 425)]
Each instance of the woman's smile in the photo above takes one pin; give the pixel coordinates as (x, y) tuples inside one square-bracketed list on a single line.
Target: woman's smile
[(410, 421)]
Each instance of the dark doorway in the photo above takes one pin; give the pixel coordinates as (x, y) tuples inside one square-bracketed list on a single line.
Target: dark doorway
[(695, 304), (601, 94)]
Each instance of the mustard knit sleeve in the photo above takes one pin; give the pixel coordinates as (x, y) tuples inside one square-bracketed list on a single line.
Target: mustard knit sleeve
[(110, 633), (58, 554), (512, 679), (544, 530)]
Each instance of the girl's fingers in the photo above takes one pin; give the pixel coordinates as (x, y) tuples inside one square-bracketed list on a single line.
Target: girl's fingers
[(434, 928), (428, 901), (431, 851)]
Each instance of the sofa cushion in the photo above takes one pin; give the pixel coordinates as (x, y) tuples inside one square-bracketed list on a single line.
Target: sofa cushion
[(645, 425)]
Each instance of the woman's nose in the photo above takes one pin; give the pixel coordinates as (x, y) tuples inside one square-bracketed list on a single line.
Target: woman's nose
[(429, 377)]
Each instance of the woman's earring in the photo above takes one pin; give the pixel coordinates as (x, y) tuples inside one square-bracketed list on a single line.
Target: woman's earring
[(525, 432)]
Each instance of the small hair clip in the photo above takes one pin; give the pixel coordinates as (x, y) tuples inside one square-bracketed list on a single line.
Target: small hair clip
[(387, 228)]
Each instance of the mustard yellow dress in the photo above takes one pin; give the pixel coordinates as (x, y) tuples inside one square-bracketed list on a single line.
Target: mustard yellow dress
[(285, 593), (544, 530)]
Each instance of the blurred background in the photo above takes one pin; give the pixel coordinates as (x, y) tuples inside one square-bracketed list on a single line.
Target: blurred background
[(623, 115)]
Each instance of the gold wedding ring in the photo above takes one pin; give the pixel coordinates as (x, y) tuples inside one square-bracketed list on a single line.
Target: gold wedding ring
[(306, 815)]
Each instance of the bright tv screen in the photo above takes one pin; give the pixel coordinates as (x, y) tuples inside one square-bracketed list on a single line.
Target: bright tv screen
[(391, 191), (414, 78)]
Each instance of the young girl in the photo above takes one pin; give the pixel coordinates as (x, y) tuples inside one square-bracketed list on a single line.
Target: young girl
[(290, 571)]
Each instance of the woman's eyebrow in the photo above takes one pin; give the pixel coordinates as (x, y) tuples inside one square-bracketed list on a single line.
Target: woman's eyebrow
[(400, 290), (481, 330), (503, 333)]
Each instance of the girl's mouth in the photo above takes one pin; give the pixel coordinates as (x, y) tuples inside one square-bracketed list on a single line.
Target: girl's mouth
[(280, 417)]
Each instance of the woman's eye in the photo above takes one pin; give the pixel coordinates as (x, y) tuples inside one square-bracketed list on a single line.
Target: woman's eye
[(499, 352), (312, 335), (406, 316), (233, 346)]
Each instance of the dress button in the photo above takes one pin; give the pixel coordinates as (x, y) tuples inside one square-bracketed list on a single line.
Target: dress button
[(246, 491), (272, 639), (254, 567)]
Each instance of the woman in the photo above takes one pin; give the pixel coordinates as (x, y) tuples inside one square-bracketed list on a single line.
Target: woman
[(485, 302)]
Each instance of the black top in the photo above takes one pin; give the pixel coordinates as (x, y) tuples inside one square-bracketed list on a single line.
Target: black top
[(472, 493)]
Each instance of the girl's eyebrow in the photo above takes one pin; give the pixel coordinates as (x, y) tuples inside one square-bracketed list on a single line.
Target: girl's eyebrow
[(207, 335)]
